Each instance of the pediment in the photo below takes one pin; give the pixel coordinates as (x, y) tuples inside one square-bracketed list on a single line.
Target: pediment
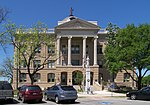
[(77, 24)]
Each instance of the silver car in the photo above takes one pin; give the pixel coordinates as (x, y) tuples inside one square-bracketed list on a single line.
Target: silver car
[(61, 93)]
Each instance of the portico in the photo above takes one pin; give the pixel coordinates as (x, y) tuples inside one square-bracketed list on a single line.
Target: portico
[(69, 39), (73, 27)]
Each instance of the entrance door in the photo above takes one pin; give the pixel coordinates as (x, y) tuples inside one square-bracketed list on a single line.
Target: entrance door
[(64, 78)]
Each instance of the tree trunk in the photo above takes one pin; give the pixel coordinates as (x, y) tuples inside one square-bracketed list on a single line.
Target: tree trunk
[(139, 83), (31, 78), (139, 79)]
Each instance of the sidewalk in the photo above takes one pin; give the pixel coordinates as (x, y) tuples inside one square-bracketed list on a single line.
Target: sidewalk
[(101, 94)]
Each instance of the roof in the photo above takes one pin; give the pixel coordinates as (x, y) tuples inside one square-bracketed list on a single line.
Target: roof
[(73, 22)]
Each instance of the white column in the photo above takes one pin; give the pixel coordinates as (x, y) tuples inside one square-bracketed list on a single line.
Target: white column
[(84, 49), (69, 50), (58, 50), (95, 50)]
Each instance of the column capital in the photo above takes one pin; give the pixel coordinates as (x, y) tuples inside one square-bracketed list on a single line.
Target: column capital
[(84, 37), (95, 37), (58, 37), (69, 37)]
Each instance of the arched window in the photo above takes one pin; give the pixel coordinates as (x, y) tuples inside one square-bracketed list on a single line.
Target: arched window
[(51, 77), (77, 78), (23, 77), (126, 77), (37, 77)]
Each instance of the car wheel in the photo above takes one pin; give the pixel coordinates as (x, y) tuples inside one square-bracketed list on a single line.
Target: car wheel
[(45, 97), (11, 100), (72, 101), (40, 100), (57, 99), (133, 97)]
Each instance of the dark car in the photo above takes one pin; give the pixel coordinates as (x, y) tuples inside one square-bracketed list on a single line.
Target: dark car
[(30, 92), (6, 91), (61, 93), (144, 94)]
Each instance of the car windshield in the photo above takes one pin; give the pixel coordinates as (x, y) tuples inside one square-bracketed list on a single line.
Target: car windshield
[(144, 88), (68, 88), (5, 87), (34, 88)]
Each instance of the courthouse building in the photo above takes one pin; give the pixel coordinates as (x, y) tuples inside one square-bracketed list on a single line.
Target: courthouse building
[(75, 40)]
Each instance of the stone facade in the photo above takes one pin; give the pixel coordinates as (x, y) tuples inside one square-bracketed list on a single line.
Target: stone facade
[(75, 40)]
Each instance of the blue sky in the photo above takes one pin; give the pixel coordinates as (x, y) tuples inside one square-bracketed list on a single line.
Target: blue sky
[(120, 12)]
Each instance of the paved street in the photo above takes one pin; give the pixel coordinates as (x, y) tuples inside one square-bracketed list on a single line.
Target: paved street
[(95, 100)]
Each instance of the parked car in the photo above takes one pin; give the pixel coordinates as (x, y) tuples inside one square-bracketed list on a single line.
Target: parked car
[(30, 92), (6, 90), (144, 94), (113, 87), (61, 93)]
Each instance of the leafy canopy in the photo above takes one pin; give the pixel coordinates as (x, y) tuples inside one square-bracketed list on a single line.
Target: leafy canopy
[(129, 49), (28, 44)]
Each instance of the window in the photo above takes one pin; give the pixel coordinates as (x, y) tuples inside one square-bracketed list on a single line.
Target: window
[(36, 63), (51, 77), (63, 63), (99, 49), (51, 49), (75, 49), (55, 88), (146, 90), (67, 88), (126, 77), (23, 77), (75, 62), (51, 63), (64, 49), (37, 77), (34, 88), (87, 49), (38, 50), (100, 63), (23, 64)]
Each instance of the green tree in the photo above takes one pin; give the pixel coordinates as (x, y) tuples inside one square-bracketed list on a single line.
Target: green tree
[(78, 78), (3, 38), (7, 67), (3, 14), (28, 44), (128, 49), (146, 80)]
